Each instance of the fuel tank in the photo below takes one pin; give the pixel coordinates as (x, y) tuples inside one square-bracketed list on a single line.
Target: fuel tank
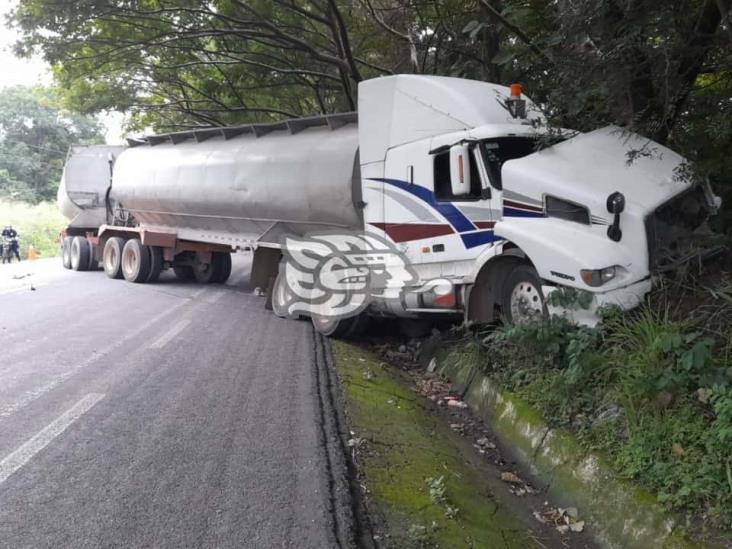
[(84, 183), (240, 184)]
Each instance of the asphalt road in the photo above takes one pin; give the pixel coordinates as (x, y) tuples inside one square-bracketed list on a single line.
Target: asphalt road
[(163, 415)]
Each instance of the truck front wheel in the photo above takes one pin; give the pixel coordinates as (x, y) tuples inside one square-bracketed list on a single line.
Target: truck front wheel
[(522, 300), (135, 261), (112, 256)]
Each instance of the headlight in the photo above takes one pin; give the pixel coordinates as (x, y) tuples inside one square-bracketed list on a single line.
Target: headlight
[(598, 277)]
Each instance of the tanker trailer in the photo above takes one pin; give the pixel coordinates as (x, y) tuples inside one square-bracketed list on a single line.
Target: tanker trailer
[(187, 200), (462, 179), (82, 199)]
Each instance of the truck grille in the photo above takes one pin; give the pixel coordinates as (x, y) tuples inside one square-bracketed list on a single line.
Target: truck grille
[(677, 231)]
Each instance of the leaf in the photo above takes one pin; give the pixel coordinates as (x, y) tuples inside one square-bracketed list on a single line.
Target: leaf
[(503, 57), (471, 26)]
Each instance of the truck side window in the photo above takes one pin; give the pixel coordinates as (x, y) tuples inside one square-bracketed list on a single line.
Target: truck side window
[(443, 188)]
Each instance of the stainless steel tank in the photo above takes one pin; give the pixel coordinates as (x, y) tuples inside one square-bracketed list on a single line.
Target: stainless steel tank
[(84, 183), (217, 186)]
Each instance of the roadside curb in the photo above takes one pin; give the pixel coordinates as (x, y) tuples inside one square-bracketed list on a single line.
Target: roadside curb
[(622, 515)]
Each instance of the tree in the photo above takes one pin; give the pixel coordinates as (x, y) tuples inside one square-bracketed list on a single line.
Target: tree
[(661, 68), (35, 135)]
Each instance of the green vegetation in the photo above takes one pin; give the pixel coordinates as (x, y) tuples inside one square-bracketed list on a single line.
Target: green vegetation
[(650, 389), (413, 469), (38, 225), (35, 136)]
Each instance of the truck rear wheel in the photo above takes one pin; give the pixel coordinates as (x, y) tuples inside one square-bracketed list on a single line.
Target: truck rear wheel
[(79, 253), (522, 300), (66, 252), (112, 256), (204, 272), (93, 263), (183, 272), (156, 263), (221, 262), (135, 261)]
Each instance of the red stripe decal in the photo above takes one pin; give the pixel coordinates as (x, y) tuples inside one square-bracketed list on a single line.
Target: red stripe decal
[(522, 206), (484, 224), (402, 232)]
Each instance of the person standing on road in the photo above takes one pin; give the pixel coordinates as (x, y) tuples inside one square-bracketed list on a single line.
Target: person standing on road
[(12, 235)]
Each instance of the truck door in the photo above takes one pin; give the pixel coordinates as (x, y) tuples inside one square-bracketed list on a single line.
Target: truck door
[(471, 216)]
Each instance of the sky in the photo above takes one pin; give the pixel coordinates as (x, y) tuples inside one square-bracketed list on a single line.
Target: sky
[(15, 71)]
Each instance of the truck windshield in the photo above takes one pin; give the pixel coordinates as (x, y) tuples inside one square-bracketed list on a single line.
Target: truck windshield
[(498, 150)]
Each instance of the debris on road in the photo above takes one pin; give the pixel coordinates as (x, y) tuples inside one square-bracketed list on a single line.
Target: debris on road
[(564, 520)]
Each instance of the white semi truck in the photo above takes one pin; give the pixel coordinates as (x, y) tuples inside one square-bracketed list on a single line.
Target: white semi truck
[(464, 178)]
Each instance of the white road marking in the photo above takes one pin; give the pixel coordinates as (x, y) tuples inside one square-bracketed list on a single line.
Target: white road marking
[(168, 336), (26, 451)]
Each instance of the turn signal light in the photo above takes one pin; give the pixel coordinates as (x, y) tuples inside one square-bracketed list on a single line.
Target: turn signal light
[(598, 277)]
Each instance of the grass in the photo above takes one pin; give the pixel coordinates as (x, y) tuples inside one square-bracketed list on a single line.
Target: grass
[(37, 224), (416, 477), (650, 389)]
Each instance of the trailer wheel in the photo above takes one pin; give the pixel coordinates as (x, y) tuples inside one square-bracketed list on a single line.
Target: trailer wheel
[(156, 263), (135, 261), (522, 299), (66, 252), (183, 272), (112, 256), (79, 253), (93, 263), (221, 263), (204, 272)]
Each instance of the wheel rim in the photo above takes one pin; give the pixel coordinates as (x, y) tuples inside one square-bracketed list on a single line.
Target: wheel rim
[(526, 303), (129, 261), (111, 259)]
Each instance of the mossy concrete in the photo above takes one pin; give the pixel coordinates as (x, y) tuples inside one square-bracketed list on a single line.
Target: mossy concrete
[(404, 445), (621, 514)]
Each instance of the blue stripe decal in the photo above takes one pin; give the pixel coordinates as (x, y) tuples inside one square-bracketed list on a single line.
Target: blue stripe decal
[(514, 212), (454, 216), (471, 240)]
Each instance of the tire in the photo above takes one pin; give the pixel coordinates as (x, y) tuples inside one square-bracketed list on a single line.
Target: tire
[(135, 261), (79, 253), (222, 267), (66, 252), (112, 257), (204, 272), (183, 272), (156, 263), (521, 297), (93, 263), (335, 328), (281, 296)]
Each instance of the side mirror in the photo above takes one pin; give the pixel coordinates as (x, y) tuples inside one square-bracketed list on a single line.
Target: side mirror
[(460, 169), (615, 205)]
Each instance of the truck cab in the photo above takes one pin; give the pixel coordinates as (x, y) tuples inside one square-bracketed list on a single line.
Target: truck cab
[(509, 209)]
